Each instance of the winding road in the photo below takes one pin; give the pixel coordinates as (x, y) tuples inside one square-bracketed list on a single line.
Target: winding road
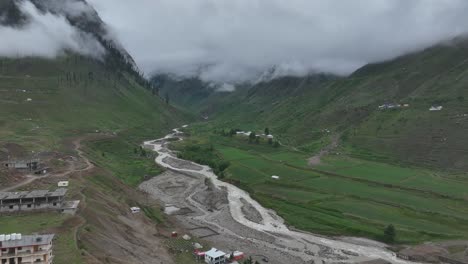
[(30, 178), (273, 224)]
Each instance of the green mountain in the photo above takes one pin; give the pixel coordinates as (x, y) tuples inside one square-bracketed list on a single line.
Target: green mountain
[(299, 110), (44, 100)]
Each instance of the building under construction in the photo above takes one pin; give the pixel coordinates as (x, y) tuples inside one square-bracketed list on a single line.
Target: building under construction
[(34, 200), (30, 164)]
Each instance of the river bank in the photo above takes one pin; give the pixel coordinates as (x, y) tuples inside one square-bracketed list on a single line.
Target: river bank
[(225, 223)]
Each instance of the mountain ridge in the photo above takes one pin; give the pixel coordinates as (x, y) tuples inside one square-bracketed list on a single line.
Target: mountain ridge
[(299, 108)]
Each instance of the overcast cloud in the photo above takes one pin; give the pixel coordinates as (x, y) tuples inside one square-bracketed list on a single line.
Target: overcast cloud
[(46, 35), (237, 40)]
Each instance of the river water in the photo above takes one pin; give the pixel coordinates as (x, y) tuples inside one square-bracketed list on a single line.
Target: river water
[(272, 223)]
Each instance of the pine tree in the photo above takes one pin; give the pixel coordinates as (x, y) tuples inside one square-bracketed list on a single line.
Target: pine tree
[(389, 234), (252, 137)]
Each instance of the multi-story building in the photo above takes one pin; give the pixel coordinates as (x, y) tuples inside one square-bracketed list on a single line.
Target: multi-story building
[(18, 249), (34, 200), (215, 256)]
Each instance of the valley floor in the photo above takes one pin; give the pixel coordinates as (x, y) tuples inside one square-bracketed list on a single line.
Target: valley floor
[(229, 218), (342, 195)]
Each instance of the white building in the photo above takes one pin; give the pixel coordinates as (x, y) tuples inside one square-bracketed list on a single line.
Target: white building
[(436, 108), (63, 184), (15, 248), (243, 133), (215, 256), (135, 209)]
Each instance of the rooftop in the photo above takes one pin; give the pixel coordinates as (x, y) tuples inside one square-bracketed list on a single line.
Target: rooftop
[(32, 194), (32, 240), (215, 253)]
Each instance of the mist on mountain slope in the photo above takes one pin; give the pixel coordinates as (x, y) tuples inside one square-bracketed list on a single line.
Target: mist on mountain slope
[(46, 35), (238, 40)]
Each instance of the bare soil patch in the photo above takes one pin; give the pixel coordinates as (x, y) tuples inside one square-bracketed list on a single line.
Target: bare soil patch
[(250, 212), (182, 164)]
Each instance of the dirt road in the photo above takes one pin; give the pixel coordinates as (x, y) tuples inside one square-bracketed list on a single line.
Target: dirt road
[(267, 235), (30, 178)]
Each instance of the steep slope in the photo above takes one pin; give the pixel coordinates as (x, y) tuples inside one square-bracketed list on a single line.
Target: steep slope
[(51, 108), (298, 110), (43, 100)]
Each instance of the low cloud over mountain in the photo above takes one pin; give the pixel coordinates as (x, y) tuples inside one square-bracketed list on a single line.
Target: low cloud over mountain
[(45, 34), (238, 40)]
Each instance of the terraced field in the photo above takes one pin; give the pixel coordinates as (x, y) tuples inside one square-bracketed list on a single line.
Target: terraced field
[(344, 195)]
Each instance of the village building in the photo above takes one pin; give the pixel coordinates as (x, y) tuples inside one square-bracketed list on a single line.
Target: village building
[(135, 209), (389, 106), (436, 108), (243, 133), (15, 249), (33, 200), (70, 207), (63, 183), (215, 256), (31, 164), (236, 256)]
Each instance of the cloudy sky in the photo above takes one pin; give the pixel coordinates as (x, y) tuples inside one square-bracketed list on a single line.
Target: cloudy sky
[(46, 35), (230, 41), (236, 40)]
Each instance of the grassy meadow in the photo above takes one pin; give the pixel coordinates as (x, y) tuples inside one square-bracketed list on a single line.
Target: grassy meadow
[(124, 158), (43, 101), (343, 195)]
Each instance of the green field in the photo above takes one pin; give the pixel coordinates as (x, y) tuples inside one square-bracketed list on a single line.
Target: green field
[(344, 195), (124, 158)]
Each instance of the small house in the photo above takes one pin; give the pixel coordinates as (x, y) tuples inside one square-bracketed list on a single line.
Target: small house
[(135, 210), (237, 255), (436, 108), (22, 164), (215, 256), (270, 136), (63, 184), (199, 255), (274, 177)]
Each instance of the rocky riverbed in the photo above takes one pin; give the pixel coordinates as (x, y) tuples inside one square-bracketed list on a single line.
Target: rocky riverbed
[(229, 218)]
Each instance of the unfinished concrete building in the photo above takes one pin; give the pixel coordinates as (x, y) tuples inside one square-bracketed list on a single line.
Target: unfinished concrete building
[(16, 249), (31, 164), (28, 201)]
